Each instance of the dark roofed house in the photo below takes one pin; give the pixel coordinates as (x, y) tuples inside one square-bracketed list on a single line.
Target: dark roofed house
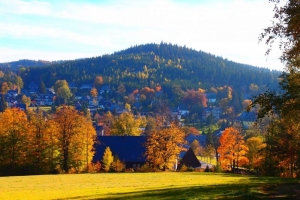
[(190, 160), (129, 149)]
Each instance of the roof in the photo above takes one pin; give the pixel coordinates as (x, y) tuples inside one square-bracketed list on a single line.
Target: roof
[(190, 159), (248, 116), (200, 138), (127, 148)]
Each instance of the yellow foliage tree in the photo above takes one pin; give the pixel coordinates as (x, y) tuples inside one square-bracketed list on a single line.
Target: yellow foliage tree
[(164, 145), (13, 137), (127, 124)]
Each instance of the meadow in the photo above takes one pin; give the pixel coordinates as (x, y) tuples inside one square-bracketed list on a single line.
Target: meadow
[(168, 185)]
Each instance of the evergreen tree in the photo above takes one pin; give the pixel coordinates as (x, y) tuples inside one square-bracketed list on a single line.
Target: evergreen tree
[(3, 103)]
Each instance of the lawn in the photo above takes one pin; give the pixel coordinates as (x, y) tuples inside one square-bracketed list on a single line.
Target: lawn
[(169, 185)]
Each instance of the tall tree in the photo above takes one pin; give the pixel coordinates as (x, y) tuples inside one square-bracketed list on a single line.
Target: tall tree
[(164, 145), (232, 149), (13, 137), (71, 126), (42, 87), (284, 105)]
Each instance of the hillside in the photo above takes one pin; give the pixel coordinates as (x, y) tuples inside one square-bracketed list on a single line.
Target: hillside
[(146, 65), (14, 65)]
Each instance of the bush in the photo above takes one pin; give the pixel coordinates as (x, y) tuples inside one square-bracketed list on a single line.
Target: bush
[(207, 169), (218, 168), (184, 168)]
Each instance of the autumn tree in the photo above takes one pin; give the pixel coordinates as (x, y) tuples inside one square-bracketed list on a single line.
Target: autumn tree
[(107, 159), (195, 98), (42, 142), (255, 154), (4, 88), (98, 81), (26, 100), (62, 90), (72, 129), (164, 145), (19, 83), (283, 105), (13, 138), (94, 94), (127, 124), (117, 165), (232, 149)]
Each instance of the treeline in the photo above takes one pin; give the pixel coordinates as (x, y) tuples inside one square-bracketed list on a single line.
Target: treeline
[(147, 65), (34, 142)]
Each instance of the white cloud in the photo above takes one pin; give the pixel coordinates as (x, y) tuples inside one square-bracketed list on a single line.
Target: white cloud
[(225, 28)]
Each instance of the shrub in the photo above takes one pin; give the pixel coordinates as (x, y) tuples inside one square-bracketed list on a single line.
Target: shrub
[(184, 168), (207, 169)]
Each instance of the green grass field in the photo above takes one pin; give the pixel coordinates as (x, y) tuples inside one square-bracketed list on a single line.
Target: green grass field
[(169, 185)]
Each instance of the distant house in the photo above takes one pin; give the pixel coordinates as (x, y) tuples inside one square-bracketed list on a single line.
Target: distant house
[(86, 86), (104, 88), (189, 159), (247, 119), (183, 109), (129, 149), (211, 97)]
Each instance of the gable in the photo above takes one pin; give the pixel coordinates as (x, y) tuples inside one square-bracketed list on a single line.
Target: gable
[(190, 159)]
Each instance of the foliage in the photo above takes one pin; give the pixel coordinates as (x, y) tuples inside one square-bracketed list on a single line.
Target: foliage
[(194, 98), (117, 165), (232, 149), (127, 124), (164, 144), (107, 159), (283, 134), (75, 138), (166, 65)]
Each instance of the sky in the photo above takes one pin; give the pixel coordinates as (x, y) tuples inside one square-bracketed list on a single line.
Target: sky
[(72, 29)]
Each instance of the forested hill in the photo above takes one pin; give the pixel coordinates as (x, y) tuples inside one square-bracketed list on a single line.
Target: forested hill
[(149, 64), (25, 63)]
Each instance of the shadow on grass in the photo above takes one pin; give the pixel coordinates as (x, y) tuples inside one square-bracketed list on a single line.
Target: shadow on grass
[(226, 191)]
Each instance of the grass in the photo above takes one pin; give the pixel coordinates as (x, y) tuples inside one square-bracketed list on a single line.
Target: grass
[(167, 185)]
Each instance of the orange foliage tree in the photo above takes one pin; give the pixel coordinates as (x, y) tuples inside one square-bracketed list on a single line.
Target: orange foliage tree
[(13, 137), (164, 144), (232, 149), (194, 98), (75, 138)]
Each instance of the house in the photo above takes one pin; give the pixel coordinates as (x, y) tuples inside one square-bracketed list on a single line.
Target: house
[(211, 97), (86, 86), (189, 159), (104, 88), (129, 149), (247, 119), (183, 109)]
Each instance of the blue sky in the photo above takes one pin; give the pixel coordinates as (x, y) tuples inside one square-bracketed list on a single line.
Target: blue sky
[(70, 29)]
